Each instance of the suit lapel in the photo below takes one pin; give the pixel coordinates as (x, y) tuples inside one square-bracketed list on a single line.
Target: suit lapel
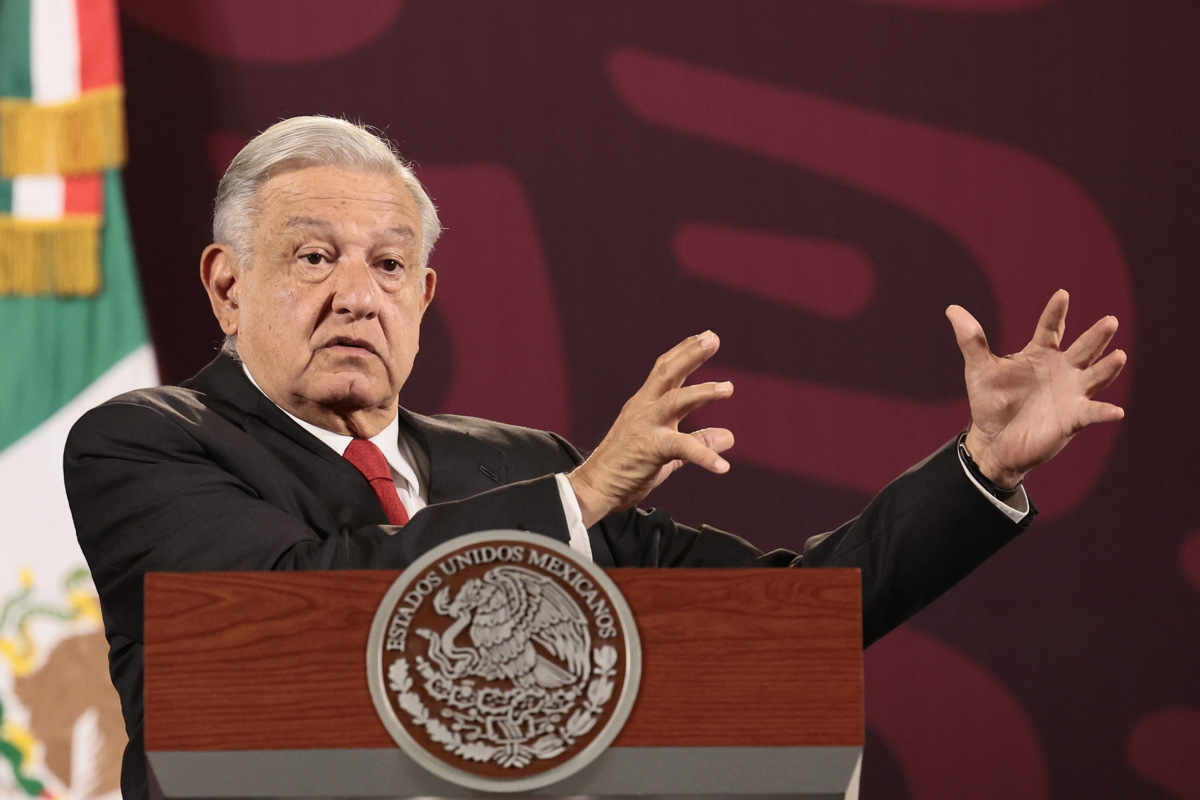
[(460, 465), (339, 497), (224, 382)]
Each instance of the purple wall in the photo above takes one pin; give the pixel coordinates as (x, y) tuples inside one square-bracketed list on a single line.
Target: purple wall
[(815, 180)]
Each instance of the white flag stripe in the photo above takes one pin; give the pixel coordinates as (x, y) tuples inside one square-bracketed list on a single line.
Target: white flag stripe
[(38, 197), (37, 529), (54, 46)]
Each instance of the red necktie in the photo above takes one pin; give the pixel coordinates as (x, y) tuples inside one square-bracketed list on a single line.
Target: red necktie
[(369, 460)]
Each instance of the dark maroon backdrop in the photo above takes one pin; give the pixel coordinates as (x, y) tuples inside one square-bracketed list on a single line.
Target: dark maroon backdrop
[(815, 180)]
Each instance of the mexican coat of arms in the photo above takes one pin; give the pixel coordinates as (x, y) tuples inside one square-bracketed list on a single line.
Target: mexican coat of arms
[(503, 661)]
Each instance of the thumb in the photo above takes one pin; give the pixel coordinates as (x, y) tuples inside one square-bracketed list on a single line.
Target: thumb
[(969, 335)]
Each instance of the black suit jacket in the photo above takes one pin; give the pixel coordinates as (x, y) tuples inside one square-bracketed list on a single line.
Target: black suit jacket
[(213, 476)]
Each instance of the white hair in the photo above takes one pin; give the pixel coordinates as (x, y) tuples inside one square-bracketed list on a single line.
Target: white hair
[(299, 143)]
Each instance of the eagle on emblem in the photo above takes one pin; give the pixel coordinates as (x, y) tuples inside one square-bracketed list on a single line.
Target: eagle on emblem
[(509, 614)]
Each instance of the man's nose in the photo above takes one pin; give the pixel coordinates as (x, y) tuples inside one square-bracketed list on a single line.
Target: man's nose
[(355, 290)]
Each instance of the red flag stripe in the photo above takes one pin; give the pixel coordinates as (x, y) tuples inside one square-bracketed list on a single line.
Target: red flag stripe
[(99, 51), (83, 194)]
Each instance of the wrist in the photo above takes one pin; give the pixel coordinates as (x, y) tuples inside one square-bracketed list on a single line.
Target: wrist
[(592, 504), (977, 456)]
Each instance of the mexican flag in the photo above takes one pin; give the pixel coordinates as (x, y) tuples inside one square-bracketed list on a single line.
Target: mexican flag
[(75, 335)]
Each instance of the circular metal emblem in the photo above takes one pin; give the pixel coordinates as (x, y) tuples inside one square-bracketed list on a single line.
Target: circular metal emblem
[(503, 661)]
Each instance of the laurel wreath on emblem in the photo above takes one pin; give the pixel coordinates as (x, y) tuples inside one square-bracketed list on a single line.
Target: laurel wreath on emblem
[(520, 731)]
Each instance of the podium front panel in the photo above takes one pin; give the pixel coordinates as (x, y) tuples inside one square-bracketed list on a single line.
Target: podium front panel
[(256, 686)]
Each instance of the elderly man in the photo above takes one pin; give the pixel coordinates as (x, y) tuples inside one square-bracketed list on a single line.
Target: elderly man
[(291, 451)]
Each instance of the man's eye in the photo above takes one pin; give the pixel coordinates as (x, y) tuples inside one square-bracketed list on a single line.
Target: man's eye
[(390, 265), (313, 258)]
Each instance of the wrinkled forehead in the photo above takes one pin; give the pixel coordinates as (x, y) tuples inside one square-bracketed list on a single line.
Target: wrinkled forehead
[(324, 199), (321, 183)]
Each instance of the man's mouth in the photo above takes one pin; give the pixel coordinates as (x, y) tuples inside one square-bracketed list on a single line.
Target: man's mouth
[(350, 341)]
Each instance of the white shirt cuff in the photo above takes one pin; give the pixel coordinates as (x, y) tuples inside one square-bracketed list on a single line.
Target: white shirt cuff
[(1015, 508), (579, 535)]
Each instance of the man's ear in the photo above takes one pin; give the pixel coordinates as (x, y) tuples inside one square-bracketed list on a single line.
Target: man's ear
[(219, 272), (430, 285)]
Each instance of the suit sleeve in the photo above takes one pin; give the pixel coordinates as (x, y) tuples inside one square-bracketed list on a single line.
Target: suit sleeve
[(920, 536)]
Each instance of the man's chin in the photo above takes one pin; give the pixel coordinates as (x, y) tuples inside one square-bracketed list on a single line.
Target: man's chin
[(348, 392)]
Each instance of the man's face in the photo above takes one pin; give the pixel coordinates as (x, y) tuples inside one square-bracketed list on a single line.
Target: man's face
[(328, 311)]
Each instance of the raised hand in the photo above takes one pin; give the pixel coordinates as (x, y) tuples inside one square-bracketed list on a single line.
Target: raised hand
[(645, 444), (1026, 407)]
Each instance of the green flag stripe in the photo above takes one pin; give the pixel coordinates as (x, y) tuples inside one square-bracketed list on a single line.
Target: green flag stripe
[(57, 346), (5, 196), (16, 79)]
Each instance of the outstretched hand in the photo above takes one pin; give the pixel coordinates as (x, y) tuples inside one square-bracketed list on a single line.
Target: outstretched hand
[(645, 444), (1026, 407)]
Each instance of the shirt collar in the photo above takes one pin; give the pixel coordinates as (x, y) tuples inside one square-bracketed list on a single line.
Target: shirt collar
[(387, 440)]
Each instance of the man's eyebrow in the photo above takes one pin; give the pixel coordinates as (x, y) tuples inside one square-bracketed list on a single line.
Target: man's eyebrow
[(402, 232), (307, 222)]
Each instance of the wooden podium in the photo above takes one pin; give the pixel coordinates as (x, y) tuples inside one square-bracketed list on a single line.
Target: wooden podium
[(256, 686)]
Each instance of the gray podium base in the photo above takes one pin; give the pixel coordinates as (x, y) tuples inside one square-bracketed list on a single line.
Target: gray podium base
[(813, 773)]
